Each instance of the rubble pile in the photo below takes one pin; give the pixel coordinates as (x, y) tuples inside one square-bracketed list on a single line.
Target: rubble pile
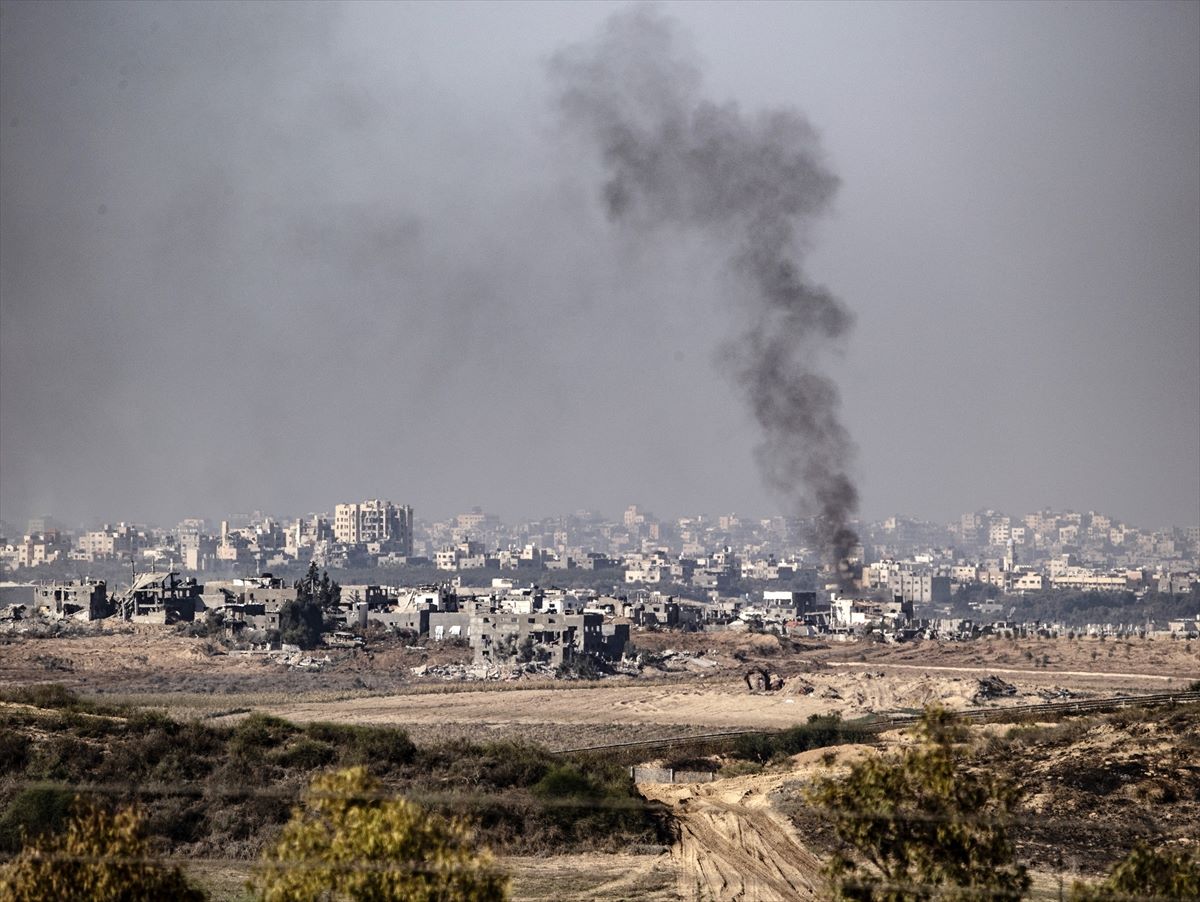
[(471, 672), (992, 687), (673, 661), (300, 661), (762, 680)]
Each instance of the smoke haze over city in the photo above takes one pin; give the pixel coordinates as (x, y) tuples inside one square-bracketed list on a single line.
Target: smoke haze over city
[(276, 255)]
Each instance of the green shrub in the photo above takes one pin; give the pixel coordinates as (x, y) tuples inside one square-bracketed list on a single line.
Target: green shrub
[(513, 764), (181, 819), (562, 781), (33, 812), (63, 757), (53, 697), (305, 753), (497, 765), (48, 695), (934, 825), (580, 667), (87, 726), (821, 730), (14, 751), (99, 857), (754, 747), (348, 842), (257, 733), (234, 785), (380, 748), (1147, 873)]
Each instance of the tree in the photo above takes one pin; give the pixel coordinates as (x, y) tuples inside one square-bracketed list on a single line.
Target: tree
[(319, 589), (923, 826), (349, 840), (1146, 874), (101, 857), (301, 623)]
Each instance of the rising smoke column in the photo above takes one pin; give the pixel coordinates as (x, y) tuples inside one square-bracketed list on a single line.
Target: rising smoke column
[(753, 184)]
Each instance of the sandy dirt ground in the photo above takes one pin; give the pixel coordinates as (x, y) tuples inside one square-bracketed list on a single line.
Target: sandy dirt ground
[(733, 845), (698, 689), (139, 659), (718, 703), (576, 878), (544, 878), (1164, 657)]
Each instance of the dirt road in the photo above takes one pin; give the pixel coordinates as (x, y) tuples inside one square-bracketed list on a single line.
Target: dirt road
[(1044, 673), (732, 845)]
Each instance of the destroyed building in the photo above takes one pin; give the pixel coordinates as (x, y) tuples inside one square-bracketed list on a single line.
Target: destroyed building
[(860, 615), (789, 605), (83, 599), (160, 598), (251, 601), (502, 637)]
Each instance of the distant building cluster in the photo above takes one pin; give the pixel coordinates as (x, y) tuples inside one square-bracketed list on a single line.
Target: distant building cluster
[(710, 559), (503, 624), (511, 625)]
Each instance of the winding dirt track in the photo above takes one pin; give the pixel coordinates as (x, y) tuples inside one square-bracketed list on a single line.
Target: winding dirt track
[(732, 845)]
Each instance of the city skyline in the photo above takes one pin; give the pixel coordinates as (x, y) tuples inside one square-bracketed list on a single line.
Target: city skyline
[(245, 515)]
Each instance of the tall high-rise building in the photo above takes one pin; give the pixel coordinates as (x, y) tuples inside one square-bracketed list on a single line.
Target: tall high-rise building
[(361, 522)]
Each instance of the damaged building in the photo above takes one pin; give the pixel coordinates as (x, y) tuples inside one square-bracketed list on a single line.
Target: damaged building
[(160, 598), (500, 637), (249, 601), (84, 599)]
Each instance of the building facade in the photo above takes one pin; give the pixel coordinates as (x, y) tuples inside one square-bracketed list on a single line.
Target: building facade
[(375, 521)]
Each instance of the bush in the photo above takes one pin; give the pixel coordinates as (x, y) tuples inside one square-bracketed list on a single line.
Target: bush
[(351, 841), (213, 624), (563, 781), (579, 667), (231, 786), (14, 751), (497, 765), (157, 748), (257, 733), (754, 747), (921, 825), (52, 696), (821, 730), (381, 748), (490, 765), (305, 754), (1146, 874), (100, 857), (63, 757), (33, 812)]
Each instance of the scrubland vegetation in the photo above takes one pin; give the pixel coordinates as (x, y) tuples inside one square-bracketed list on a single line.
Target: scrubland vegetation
[(212, 790)]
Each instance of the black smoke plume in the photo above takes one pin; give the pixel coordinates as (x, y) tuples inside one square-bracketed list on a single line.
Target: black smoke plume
[(752, 183)]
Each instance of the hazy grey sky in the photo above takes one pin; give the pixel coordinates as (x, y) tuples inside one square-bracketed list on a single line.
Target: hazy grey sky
[(279, 255)]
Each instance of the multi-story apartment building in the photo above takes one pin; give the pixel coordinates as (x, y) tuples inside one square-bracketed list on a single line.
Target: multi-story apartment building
[(374, 521), (110, 542), (999, 531), (40, 548)]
